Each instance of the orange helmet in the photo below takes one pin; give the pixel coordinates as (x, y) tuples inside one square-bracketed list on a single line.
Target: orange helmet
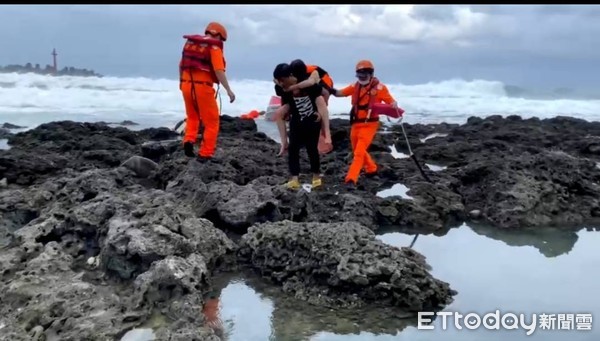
[(365, 64), (216, 29)]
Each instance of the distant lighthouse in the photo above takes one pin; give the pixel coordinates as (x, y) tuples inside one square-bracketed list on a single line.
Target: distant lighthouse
[(54, 54)]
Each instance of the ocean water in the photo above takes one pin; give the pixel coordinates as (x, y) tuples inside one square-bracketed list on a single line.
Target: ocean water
[(30, 99), (543, 271)]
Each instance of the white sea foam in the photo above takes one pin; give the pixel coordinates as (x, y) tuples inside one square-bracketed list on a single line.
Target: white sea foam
[(30, 99)]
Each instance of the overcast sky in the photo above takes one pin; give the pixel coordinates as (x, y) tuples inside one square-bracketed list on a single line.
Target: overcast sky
[(549, 46)]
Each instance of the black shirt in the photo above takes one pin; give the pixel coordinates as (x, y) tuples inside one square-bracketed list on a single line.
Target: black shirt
[(279, 91), (304, 104)]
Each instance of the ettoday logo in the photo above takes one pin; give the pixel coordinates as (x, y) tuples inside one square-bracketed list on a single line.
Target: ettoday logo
[(497, 320)]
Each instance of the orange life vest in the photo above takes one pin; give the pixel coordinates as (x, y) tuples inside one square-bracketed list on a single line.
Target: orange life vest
[(324, 78), (360, 113), (196, 54), (310, 68)]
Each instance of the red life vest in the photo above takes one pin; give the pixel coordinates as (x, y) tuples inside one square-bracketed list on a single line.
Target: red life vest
[(196, 54), (364, 109), (386, 110)]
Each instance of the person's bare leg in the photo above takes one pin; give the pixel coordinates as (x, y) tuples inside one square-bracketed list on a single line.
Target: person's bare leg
[(278, 117)]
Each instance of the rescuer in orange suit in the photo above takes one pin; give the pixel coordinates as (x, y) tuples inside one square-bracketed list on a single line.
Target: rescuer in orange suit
[(364, 123), (202, 65)]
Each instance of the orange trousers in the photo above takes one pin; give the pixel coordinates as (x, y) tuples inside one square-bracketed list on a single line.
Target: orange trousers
[(201, 96), (211, 315), (361, 136)]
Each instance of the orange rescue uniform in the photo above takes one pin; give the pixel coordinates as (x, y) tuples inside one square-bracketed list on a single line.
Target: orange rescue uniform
[(198, 92), (363, 130), (323, 75)]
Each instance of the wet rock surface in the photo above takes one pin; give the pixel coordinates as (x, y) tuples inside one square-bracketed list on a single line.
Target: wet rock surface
[(101, 227), (342, 265), (93, 254), (5, 133), (53, 148), (520, 173), (7, 125), (43, 299)]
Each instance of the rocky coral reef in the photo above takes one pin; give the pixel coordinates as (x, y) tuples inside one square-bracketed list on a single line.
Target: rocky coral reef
[(342, 265), (102, 227)]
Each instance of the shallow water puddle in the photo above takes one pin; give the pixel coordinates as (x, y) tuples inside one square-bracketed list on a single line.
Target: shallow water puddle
[(396, 154), (396, 190), (253, 309), (307, 187), (386, 130), (244, 314), (4, 144), (533, 271), (432, 136), (435, 168), (139, 334), (399, 155), (145, 331)]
